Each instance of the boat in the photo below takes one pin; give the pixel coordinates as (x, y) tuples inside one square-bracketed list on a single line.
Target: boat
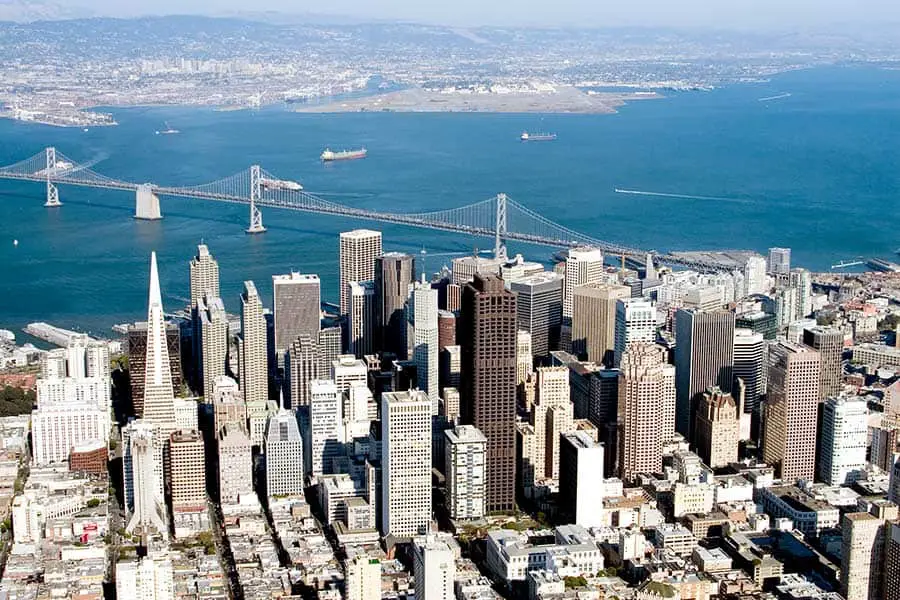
[(537, 137), (280, 184), (167, 131), (328, 155)]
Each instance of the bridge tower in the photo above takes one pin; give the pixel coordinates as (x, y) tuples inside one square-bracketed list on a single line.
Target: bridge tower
[(256, 223), (52, 190), (146, 203), (500, 228)]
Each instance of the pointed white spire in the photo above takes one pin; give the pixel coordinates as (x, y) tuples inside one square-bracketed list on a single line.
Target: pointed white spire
[(281, 398), (155, 294), (159, 407)]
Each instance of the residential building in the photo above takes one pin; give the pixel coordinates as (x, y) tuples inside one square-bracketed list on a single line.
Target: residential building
[(843, 440), (235, 463), (325, 434), (862, 556), (779, 262), (284, 455), (422, 332), (434, 569), (213, 345), (362, 579), (204, 275), (465, 471), (718, 428), (254, 365), (581, 468), (635, 323)]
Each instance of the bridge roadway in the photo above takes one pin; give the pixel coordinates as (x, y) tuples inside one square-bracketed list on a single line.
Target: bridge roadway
[(310, 203)]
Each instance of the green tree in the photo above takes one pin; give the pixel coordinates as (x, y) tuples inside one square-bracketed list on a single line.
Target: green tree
[(93, 503)]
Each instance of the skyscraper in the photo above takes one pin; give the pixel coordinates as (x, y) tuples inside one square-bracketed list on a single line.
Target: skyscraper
[(204, 275), (422, 331), (581, 478), (213, 341), (750, 367), (446, 328), (551, 417), (755, 276), (844, 440), (394, 273), (583, 265), (829, 343), (137, 361), (235, 463), (789, 439), (779, 262), (704, 357), (892, 561), (405, 463), (358, 250), (142, 467), (361, 318), (254, 354), (635, 323), (487, 336), (524, 356), (539, 310), (465, 470), (284, 455), (297, 305), (801, 281), (717, 428), (646, 409), (862, 556), (594, 320), (325, 439), (159, 398), (304, 364), (187, 482)]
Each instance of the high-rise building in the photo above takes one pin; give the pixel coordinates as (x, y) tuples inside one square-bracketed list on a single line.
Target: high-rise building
[(789, 438), (358, 250), (750, 367), (718, 428), (254, 368), (801, 281), (829, 343), (187, 479), (325, 433), (159, 397), (284, 455), (524, 357), (646, 409), (434, 569), (329, 345), (405, 463), (297, 305), (235, 463), (362, 580), (464, 268), (551, 416), (581, 478), (146, 578), (779, 262), (862, 556), (394, 273), (304, 364), (758, 322), (755, 278), (361, 317), (348, 371), (450, 363), (704, 357), (844, 440), (137, 361), (142, 467), (487, 335), (635, 323), (446, 329), (594, 320), (892, 561), (204, 275), (582, 266), (464, 468), (539, 310), (213, 341), (422, 332)]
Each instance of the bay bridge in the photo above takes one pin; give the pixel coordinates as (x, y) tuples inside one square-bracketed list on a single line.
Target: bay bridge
[(499, 217)]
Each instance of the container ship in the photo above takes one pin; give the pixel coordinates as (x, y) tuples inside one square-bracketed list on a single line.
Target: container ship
[(329, 156), (537, 137)]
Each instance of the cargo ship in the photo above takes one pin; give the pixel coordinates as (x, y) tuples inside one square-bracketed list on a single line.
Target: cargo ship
[(537, 137), (280, 184), (329, 155)]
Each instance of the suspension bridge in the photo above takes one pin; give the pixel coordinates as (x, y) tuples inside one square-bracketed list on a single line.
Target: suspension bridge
[(499, 217)]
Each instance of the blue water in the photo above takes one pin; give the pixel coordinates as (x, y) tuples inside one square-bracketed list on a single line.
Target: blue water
[(818, 171)]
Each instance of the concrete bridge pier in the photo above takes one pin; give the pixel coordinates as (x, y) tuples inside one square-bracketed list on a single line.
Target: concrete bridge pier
[(146, 205)]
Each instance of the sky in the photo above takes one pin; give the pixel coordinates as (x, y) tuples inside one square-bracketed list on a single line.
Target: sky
[(741, 14)]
